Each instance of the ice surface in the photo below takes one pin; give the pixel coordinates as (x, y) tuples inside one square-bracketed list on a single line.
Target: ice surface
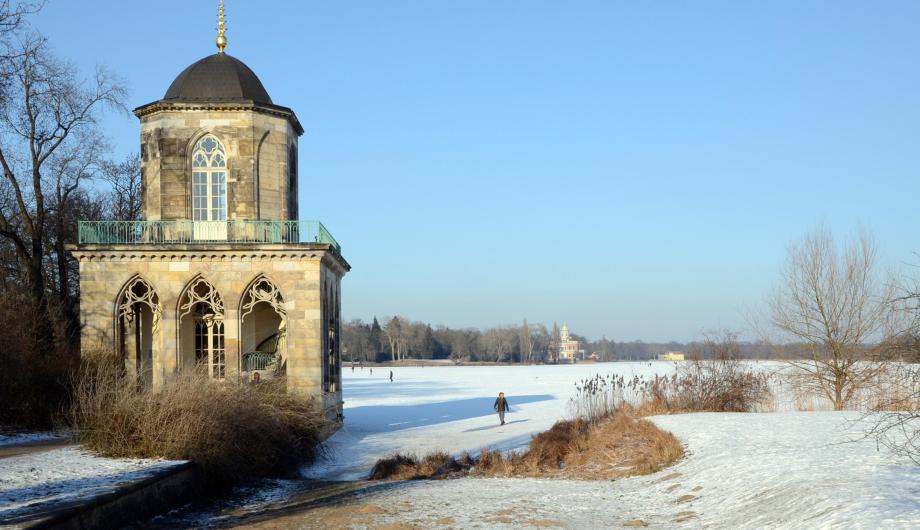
[(449, 408)]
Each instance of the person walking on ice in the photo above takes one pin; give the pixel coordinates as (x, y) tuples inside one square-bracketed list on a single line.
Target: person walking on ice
[(501, 405), (391, 376)]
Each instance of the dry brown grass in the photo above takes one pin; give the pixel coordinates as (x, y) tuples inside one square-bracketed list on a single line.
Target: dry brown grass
[(618, 445), (410, 467), (232, 430)]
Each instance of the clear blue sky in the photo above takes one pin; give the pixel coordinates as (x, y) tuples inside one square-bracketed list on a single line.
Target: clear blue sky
[(634, 168)]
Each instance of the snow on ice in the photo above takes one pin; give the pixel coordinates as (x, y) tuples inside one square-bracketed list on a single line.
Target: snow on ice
[(782, 469)]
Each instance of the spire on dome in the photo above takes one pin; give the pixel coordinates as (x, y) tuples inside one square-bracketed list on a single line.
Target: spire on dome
[(221, 28)]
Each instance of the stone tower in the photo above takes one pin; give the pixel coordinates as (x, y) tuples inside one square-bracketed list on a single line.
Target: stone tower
[(220, 275)]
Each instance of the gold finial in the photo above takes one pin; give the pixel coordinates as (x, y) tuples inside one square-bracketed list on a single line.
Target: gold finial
[(221, 28)]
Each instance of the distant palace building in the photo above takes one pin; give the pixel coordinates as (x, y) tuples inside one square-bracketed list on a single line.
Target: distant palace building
[(569, 349), (671, 356), (220, 275)]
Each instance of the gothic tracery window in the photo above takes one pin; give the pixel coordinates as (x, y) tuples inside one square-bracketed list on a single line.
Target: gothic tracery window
[(138, 314), (209, 180), (204, 304)]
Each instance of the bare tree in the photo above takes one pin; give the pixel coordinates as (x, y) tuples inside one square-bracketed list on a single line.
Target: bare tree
[(896, 420), (12, 20), (835, 302), (124, 177), (555, 342), (395, 331), (526, 343), (499, 342), (48, 141)]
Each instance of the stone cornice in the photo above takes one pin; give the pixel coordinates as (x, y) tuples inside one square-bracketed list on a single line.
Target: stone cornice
[(203, 106), (237, 253)]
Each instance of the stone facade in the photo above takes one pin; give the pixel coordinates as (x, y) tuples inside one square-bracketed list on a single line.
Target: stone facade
[(262, 152), (307, 276)]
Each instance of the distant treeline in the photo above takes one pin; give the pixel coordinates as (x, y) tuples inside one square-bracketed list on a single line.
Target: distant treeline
[(395, 338)]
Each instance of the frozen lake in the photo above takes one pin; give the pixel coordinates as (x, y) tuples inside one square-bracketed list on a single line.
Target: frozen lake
[(449, 408)]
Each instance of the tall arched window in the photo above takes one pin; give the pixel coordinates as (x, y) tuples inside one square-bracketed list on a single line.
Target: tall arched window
[(209, 180), (201, 327)]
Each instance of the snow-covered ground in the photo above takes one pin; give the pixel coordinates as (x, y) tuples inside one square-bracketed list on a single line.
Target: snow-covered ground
[(35, 484), (17, 438), (765, 470), (784, 469), (770, 470)]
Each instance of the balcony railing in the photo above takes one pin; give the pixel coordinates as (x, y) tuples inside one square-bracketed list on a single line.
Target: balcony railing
[(259, 360), (184, 231)]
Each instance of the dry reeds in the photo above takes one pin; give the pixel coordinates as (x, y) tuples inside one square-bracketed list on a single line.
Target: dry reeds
[(231, 430), (718, 385), (410, 467), (617, 445)]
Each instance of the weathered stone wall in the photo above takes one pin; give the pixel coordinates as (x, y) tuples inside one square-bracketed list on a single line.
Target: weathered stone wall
[(299, 271), (258, 148)]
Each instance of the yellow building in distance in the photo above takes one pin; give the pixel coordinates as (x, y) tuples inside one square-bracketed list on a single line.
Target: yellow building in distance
[(671, 356)]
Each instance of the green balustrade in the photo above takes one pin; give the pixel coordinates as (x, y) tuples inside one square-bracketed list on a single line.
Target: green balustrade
[(259, 360), (185, 231)]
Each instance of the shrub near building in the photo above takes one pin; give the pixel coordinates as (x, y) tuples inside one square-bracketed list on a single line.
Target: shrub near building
[(233, 430)]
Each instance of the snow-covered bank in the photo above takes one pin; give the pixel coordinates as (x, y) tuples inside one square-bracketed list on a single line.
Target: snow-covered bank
[(775, 470), (41, 482)]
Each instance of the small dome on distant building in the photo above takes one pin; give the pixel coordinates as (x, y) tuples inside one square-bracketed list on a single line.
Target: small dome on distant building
[(218, 78)]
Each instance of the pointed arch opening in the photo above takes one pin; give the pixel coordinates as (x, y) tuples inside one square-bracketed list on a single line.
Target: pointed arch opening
[(137, 317), (263, 329), (201, 328)]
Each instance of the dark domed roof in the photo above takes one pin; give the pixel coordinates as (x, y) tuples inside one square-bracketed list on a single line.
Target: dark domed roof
[(218, 77)]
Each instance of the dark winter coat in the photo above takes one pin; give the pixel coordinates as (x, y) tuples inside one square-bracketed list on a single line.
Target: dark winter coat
[(501, 405)]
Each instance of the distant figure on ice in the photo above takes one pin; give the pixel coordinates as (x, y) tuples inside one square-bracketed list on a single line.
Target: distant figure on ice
[(391, 376), (501, 405), (372, 371)]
